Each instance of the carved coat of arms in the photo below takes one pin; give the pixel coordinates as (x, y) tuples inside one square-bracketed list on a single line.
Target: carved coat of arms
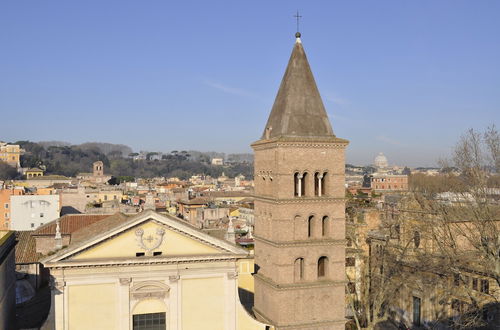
[(150, 242)]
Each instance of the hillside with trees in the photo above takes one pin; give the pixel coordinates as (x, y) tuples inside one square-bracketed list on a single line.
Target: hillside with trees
[(69, 160)]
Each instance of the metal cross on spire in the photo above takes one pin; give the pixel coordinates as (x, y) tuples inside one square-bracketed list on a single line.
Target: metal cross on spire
[(298, 17)]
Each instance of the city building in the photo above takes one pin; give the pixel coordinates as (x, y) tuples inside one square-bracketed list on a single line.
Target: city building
[(299, 208), (149, 269), (217, 161), (11, 154), (28, 212), (389, 182), (7, 280), (33, 173), (97, 175), (5, 205)]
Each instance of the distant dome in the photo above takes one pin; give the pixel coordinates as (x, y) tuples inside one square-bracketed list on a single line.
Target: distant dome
[(381, 161)]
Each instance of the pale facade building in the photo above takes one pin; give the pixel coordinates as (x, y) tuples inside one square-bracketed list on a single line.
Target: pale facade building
[(299, 209), (28, 212), (123, 273), (11, 154)]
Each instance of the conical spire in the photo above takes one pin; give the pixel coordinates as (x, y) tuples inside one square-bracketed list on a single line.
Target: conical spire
[(298, 110)]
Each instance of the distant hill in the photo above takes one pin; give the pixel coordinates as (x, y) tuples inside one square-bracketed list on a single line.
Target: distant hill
[(66, 159), (107, 148)]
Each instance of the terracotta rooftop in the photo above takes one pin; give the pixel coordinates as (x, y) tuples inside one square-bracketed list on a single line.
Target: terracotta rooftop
[(26, 248), (195, 201), (98, 227), (70, 223)]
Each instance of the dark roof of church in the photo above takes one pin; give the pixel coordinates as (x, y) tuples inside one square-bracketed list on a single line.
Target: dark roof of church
[(298, 110)]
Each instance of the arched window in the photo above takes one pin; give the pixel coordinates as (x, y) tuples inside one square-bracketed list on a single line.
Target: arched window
[(296, 187), (299, 269), (303, 186), (310, 226), (322, 184), (316, 184), (324, 226), (322, 266)]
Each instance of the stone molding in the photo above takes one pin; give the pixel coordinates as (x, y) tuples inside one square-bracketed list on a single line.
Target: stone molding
[(232, 275), (331, 142), (299, 286), (141, 261), (310, 325), (149, 289), (309, 242), (300, 200), (174, 278), (57, 285), (125, 281)]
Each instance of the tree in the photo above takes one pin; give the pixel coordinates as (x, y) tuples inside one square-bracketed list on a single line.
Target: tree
[(442, 239), (7, 172), (457, 218)]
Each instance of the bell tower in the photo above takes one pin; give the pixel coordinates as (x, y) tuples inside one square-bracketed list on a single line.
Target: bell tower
[(299, 208)]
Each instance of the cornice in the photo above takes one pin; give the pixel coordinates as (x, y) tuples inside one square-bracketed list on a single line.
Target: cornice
[(310, 325), (289, 141), (300, 200), (300, 285), (310, 242), (100, 263)]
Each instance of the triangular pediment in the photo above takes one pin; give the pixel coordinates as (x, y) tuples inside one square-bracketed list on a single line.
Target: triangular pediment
[(147, 235)]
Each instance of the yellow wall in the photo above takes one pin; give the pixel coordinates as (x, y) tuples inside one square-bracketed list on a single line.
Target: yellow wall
[(125, 245), (245, 270), (92, 307), (203, 304), (149, 306), (104, 196)]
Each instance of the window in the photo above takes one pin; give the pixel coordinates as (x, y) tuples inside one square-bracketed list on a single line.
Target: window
[(474, 284), (322, 184), (303, 188), (324, 226), (6, 205), (316, 184), (350, 262), (296, 185), (139, 254), (322, 267), (485, 286), (299, 269), (310, 225), (32, 225), (456, 279), (158, 253), (152, 321), (41, 215), (416, 311)]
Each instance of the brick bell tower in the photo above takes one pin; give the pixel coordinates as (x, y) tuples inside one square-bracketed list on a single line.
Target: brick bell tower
[(299, 208)]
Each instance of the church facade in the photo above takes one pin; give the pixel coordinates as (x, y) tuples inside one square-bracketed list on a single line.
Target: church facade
[(299, 209), (149, 271)]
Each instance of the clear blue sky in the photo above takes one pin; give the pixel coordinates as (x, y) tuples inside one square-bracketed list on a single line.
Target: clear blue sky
[(402, 77)]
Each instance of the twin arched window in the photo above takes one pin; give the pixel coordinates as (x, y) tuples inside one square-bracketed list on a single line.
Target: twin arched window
[(321, 269), (300, 183), (311, 226)]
